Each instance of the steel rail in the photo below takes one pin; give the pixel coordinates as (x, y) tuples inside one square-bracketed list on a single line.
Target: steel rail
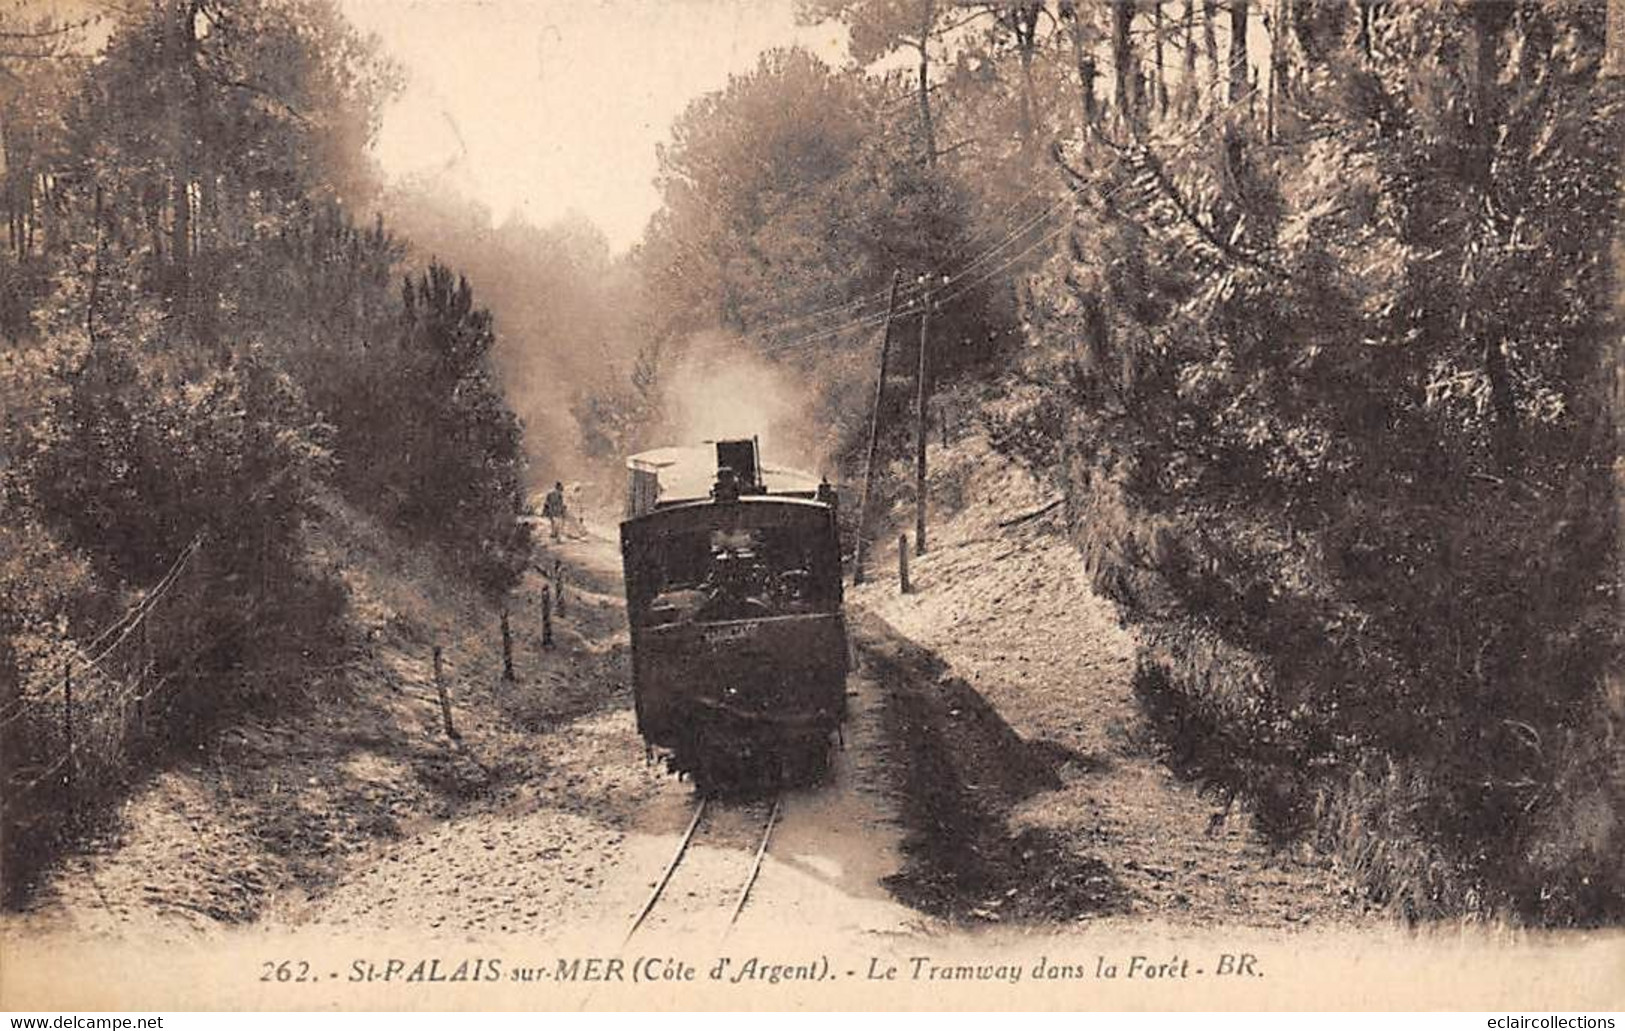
[(756, 864), (665, 877), (682, 850)]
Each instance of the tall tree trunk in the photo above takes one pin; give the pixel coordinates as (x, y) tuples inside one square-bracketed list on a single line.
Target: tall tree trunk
[(180, 236), (1210, 44), (9, 170), (1363, 38), (1613, 369), (928, 17), (1161, 85), (53, 206), (95, 272), (1123, 69), (1280, 86), (1085, 61), (1026, 30), (1029, 117), (182, 31), (1187, 80), (1238, 50), (1269, 82), (28, 215), (1488, 20), (1281, 50)]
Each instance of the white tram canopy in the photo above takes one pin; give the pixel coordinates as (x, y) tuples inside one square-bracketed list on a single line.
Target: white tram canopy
[(668, 475)]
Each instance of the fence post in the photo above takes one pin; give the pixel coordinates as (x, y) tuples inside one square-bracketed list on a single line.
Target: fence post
[(922, 393), (70, 774), (559, 579), (507, 648), (902, 563), (445, 700), (547, 616)]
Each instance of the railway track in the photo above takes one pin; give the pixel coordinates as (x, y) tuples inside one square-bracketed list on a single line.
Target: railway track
[(682, 849)]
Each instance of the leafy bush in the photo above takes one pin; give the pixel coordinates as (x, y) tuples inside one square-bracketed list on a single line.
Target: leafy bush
[(1337, 439), (198, 345)]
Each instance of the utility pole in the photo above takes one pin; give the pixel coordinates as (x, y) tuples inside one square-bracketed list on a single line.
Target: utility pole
[(445, 699), (874, 432), (921, 392), (507, 648)]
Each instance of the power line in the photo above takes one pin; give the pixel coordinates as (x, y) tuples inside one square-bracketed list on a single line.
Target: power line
[(1047, 237), (42, 778), (1105, 197), (912, 293), (909, 292), (909, 298)]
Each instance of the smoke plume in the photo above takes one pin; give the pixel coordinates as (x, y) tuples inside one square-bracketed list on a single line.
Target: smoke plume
[(719, 390)]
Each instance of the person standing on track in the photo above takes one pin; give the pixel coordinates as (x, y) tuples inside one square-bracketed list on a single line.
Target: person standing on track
[(553, 509)]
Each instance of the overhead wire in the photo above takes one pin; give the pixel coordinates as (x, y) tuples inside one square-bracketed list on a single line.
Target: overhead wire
[(912, 292), (908, 297), (1104, 197), (906, 293), (139, 609), (1055, 232)]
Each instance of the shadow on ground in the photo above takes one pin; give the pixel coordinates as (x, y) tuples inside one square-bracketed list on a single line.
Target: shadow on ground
[(962, 769)]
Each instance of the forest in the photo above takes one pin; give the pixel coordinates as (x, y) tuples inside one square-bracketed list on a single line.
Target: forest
[(205, 352), (1308, 308)]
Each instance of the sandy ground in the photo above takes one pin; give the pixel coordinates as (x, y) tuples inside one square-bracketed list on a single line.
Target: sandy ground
[(581, 845), (363, 817), (275, 815), (1009, 612), (996, 768)]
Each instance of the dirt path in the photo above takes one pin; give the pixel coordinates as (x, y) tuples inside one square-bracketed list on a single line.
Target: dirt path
[(1009, 616), (274, 815), (996, 769), (581, 846), (361, 815), (832, 851)]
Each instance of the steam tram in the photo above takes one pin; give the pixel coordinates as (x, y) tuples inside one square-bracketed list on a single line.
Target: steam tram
[(733, 590)]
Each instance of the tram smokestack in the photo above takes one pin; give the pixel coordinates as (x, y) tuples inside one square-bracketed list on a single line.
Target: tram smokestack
[(739, 458)]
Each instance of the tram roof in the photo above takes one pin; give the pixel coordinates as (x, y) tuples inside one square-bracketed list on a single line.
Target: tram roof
[(687, 473), (747, 510)]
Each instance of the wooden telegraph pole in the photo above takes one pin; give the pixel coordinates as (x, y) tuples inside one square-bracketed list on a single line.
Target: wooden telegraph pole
[(445, 699), (547, 616), (921, 392), (71, 772), (874, 432), (902, 564), (507, 648)]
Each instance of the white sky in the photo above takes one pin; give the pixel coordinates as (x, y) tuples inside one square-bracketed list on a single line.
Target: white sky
[(541, 107)]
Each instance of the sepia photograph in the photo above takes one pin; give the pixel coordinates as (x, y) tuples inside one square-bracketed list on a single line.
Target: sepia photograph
[(887, 505)]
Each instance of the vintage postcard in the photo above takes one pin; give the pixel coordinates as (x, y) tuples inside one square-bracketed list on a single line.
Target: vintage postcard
[(838, 504)]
